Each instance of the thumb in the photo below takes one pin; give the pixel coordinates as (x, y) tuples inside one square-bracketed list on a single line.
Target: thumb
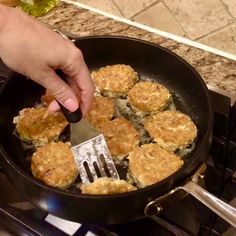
[(61, 91)]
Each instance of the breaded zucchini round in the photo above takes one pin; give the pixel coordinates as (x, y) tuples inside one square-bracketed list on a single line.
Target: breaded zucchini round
[(120, 135), (39, 126), (150, 164), (102, 108), (148, 97), (107, 185), (171, 129), (115, 80), (54, 164)]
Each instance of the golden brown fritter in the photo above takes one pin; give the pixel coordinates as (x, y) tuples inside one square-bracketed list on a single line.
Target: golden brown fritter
[(148, 97), (150, 164), (54, 164), (171, 129), (115, 80), (120, 135), (107, 185), (47, 98), (102, 108), (39, 126)]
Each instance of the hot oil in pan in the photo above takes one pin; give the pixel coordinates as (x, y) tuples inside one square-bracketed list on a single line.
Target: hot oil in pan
[(123, 109)]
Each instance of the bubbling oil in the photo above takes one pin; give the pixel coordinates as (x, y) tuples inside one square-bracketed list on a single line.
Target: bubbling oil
[(123, 109)]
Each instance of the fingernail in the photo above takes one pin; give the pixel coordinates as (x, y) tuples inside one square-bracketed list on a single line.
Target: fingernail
[(71, 104)]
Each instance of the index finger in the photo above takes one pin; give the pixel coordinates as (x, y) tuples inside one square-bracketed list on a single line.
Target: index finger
[(80, 74)]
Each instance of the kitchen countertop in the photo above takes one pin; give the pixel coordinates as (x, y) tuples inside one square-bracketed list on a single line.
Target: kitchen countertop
[(215, 70)]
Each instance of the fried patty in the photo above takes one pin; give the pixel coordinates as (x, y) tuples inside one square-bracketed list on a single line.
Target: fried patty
[(171, 129), (150, 164), (115, 80), (148, 97), (39, 126), (102, 108), (107, 185), (120, 135), (54, 164)]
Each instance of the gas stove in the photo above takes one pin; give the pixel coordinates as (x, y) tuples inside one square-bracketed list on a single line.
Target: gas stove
[(187, 217)]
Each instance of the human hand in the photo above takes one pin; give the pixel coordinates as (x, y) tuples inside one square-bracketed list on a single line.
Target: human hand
[(35, 51)]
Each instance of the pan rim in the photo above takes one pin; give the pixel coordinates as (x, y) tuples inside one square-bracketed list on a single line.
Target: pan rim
[(141, 190)]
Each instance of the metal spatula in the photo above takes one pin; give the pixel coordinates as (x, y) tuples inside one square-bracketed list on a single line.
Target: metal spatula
[(91, 152), (89, 147)]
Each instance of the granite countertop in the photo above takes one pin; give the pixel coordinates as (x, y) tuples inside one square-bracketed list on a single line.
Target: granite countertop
[(215, 70)]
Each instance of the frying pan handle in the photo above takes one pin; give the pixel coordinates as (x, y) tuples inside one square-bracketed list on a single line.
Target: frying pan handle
[(72, 117), (221, 208)]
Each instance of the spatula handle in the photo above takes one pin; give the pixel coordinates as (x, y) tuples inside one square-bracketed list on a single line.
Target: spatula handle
[(72, 117)]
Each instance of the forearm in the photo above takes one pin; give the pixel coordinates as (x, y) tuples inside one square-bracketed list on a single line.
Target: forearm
[(4, 12), (31, 49)]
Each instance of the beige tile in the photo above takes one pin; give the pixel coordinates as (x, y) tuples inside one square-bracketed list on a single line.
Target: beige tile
[(231, 5), (105, 5), (131, 7), (199, 17), (224, 39), (160, 18)]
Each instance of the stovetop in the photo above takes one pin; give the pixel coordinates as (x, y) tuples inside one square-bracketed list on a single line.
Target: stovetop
[(187, 217)]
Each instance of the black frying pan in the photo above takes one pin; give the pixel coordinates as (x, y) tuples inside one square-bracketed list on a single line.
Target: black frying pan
[(151, 62)]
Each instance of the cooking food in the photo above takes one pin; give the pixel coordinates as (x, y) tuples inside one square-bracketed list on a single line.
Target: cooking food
[(151, 163), (115, 80), (146, 165), (102, 108), (54, 164), (120, 135), (171, 129), (38, 126), (107, 185), (148, 97), (152, 62)]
